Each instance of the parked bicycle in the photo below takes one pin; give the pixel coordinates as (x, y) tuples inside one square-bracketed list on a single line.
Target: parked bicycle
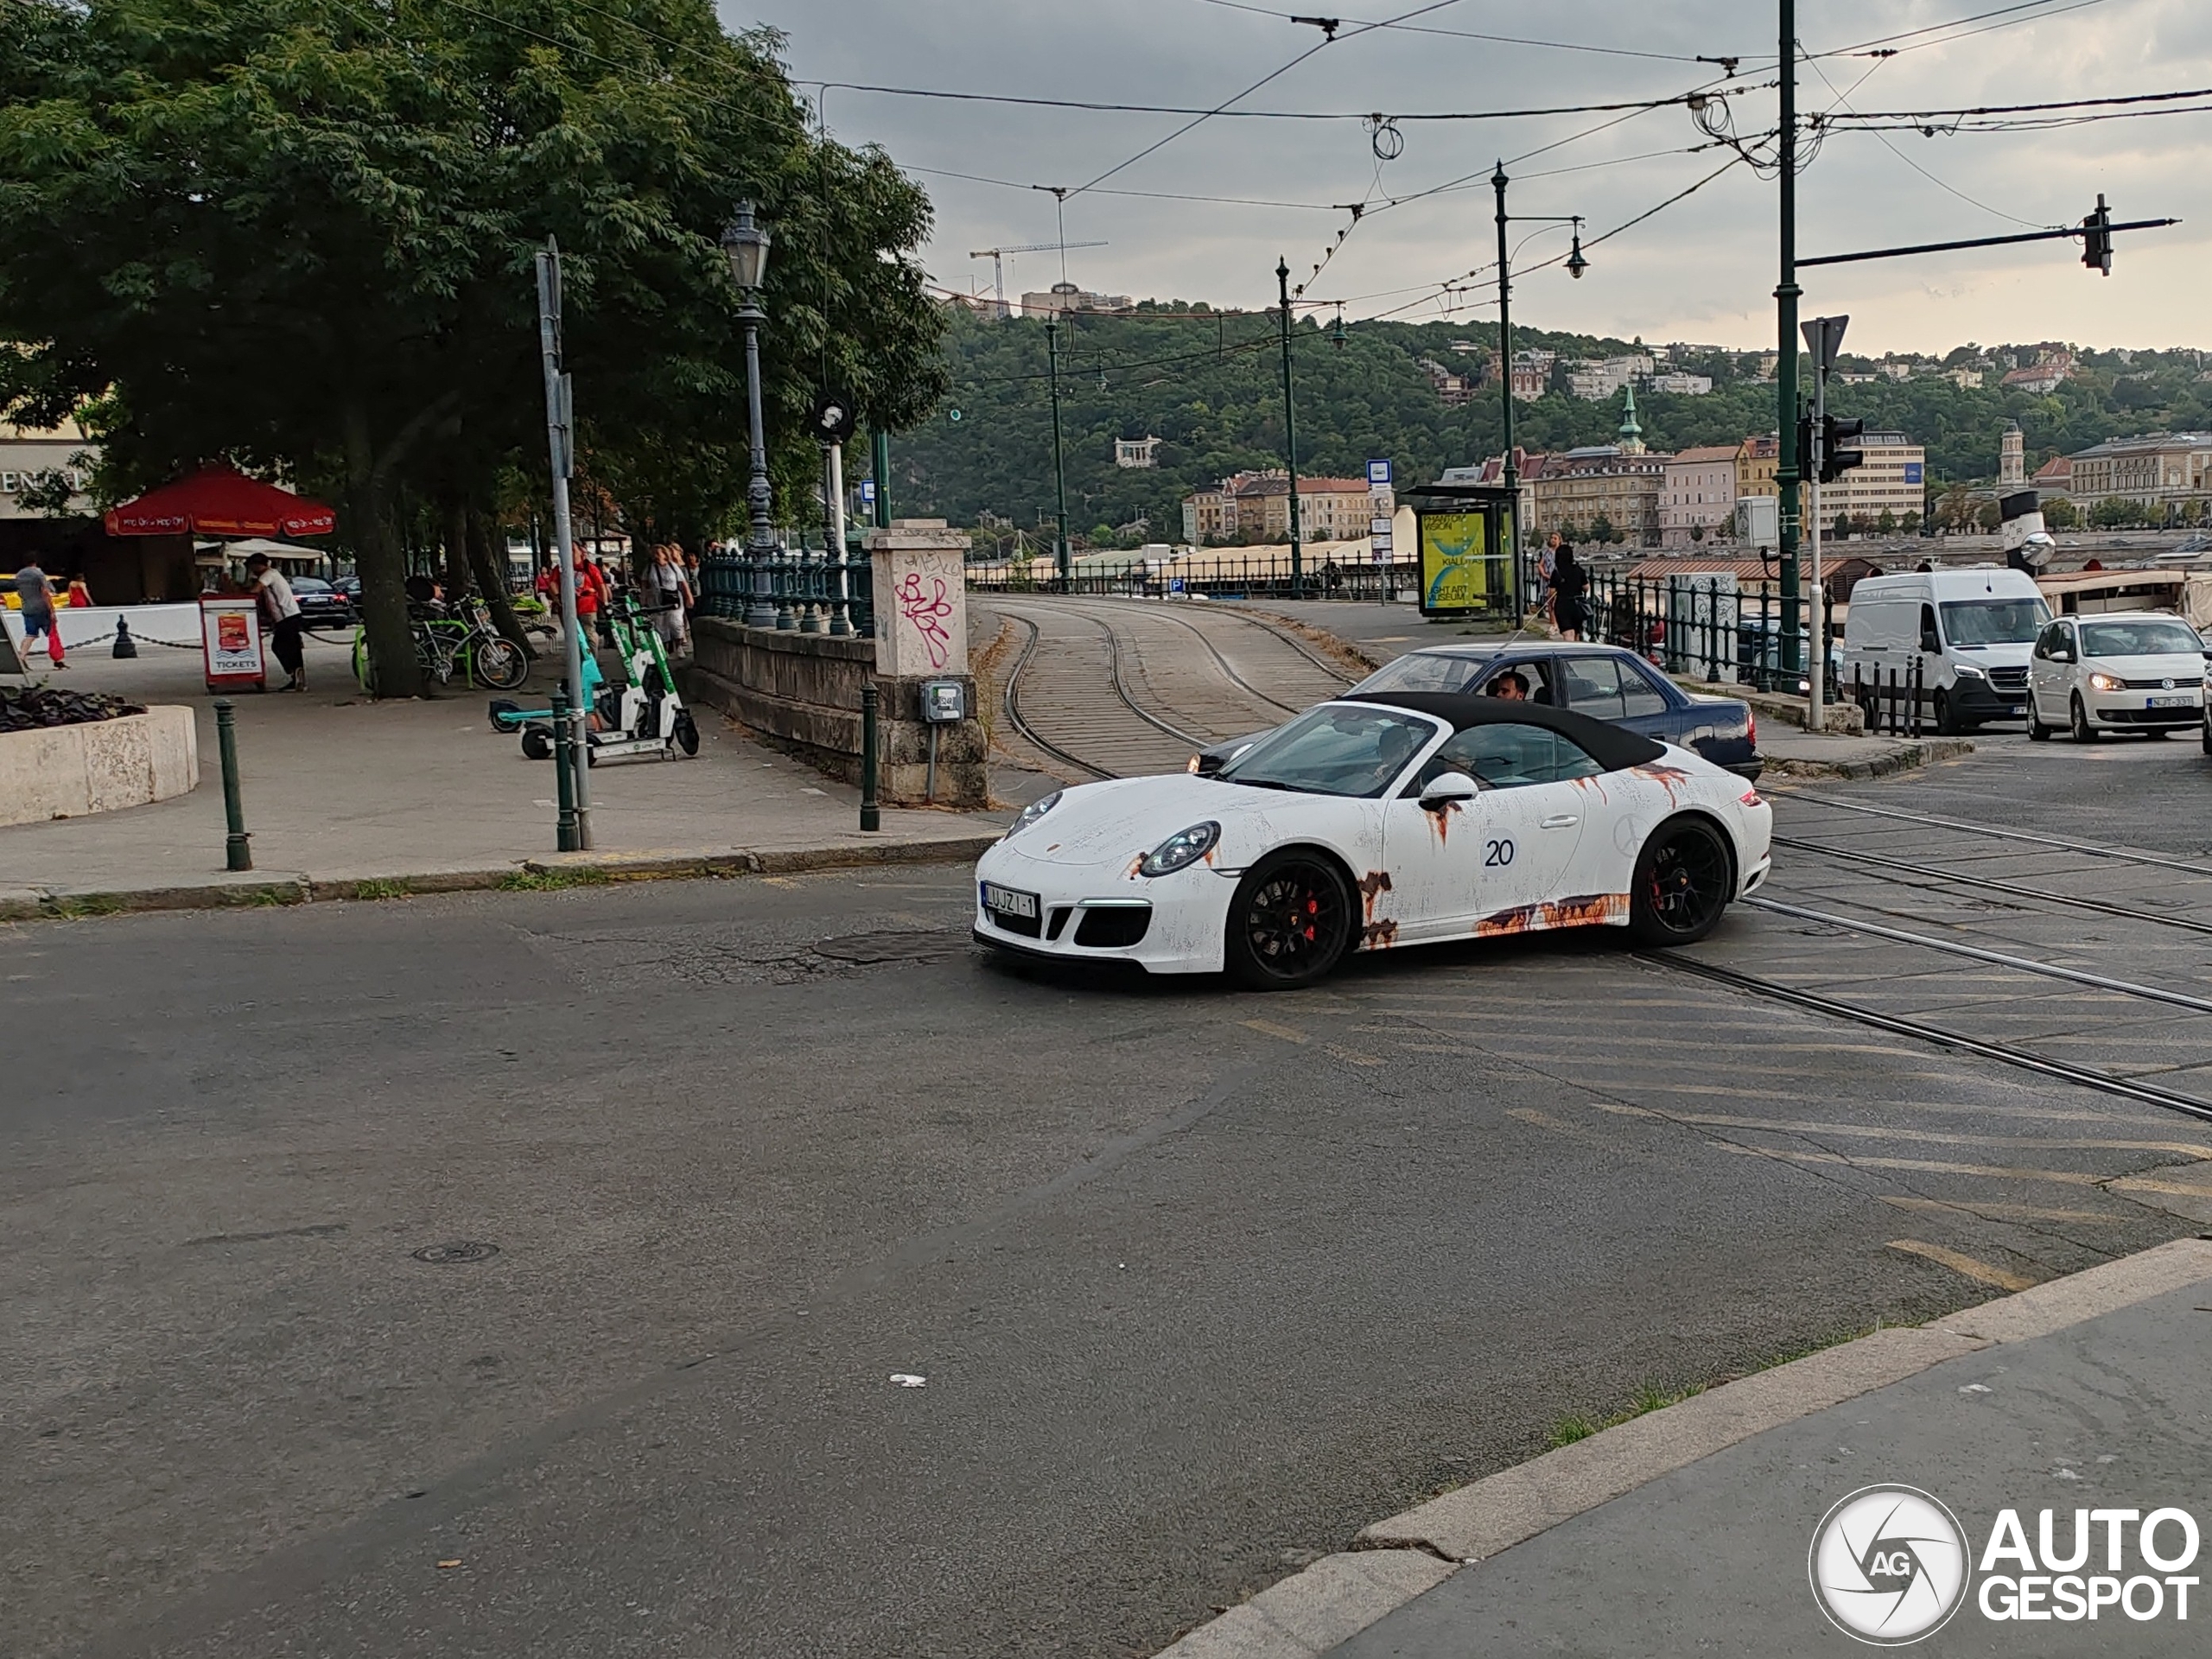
[(466, 642)]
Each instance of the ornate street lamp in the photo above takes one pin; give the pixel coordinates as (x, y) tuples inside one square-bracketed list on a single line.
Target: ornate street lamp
[(745, 246)]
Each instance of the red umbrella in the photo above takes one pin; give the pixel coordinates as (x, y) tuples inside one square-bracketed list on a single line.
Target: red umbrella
[(220, 501)]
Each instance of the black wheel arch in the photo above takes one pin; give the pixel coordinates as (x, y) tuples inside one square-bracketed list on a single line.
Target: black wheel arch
[(1727, 841)]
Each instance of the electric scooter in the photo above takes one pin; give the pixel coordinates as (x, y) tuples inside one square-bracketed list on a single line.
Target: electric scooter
[(645, 717)]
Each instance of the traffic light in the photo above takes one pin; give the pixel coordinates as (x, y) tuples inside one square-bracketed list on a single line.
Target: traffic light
[(2096, 238), (1839, 450)]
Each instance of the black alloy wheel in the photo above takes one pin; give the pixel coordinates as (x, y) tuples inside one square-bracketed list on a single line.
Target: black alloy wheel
[(2078, 722), (1289, 923), (1684, 879), (1947, 720)]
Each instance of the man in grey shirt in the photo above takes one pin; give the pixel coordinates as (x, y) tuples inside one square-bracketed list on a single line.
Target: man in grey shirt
[(34, 589)]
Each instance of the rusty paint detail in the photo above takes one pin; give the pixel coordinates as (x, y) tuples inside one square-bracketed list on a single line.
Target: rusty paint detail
[(1585, 910), (1378, 936), (1439, 821), (1593, 783), (1372, 887), (1207, 857), (1668, 778), (1136, 865)]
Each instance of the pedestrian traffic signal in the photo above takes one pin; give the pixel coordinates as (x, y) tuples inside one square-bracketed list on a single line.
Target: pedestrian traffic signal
[(1839, 450), (2096, 238)]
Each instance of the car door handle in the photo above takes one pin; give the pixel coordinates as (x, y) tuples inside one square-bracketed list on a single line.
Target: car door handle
[(1564, 821)]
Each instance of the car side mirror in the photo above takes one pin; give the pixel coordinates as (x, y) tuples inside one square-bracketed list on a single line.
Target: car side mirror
[(1448, 787)]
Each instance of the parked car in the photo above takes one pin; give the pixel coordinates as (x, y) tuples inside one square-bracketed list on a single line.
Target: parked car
[(2125, 670), (321, 604), (1603, 681), (1375, 819), (1970, 631)]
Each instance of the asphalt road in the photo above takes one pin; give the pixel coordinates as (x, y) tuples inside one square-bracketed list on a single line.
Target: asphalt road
[(1200, 1282)]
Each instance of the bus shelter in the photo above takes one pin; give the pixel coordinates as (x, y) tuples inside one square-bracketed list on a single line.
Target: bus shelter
[(1464, 534)]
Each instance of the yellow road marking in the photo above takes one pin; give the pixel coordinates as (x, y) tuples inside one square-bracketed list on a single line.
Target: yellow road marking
[(1990, 1172), (2004, 1212), (1350, 1055), (1970, 1266), (1269, 1028), (2147, 1184), (1793, 1126)]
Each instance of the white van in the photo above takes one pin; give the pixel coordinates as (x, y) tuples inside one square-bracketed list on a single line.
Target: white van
[(1970, 631)]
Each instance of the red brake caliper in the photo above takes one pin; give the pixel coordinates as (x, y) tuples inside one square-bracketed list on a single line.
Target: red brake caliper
[(1312, 908)]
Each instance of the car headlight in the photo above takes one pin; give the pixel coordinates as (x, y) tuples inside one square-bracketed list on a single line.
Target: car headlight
[(1968, 671), (1035, 810), (1183, 847), (2106, 682)]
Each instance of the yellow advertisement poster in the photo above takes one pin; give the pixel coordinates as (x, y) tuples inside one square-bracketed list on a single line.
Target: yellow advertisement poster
[(1455, 561)]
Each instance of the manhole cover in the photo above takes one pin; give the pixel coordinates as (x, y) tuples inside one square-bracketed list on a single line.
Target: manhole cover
[(906, 946), (459, 1249)]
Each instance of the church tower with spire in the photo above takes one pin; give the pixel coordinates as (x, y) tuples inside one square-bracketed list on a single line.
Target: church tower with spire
[(2011, 460), (1631, 433)]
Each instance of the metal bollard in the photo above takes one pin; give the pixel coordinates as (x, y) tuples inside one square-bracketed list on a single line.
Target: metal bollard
[(566, 836), (237, 853), (871, 813), (125, 647)]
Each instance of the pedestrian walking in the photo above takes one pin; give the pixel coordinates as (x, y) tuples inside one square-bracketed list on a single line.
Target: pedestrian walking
[(671, 592), (282, 612), (34, 592), (1570, 581), (591, 599)]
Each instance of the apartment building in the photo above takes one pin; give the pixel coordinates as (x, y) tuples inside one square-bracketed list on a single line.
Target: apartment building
[(1697, 493), (1257, 505), (1757, 459), (1571, 492), (1064, 297), (2156, 470), (1595, 380), (1894, 480)]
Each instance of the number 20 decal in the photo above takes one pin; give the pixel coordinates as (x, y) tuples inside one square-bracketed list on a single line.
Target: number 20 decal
[(1497, 854)]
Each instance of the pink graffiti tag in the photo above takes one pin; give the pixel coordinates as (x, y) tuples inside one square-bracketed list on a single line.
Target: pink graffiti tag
[(927, 612)]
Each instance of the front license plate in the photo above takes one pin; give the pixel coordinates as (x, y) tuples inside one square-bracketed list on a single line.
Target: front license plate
[(2170, 702), (1005, 902)]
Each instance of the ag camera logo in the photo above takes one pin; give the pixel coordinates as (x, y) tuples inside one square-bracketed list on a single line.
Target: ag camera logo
[(1889, 1565)]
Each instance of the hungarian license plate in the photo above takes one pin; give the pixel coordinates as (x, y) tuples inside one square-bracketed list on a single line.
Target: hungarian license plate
[(1005, 902), (2171, 703)]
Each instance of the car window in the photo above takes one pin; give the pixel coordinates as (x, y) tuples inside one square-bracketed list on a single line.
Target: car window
[(1640, 692), (1541, 675), (1422, 671), (2149, 636), (1509, 755), (1337, 749), (1991, 621), (1593, 686), (310, 585), (2050, 641)]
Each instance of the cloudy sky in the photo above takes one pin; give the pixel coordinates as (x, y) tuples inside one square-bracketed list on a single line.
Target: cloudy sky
[(1702, 269)]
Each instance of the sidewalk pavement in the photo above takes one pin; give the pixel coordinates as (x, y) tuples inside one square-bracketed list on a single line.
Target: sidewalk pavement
[(1688, 1530), (339, 792)]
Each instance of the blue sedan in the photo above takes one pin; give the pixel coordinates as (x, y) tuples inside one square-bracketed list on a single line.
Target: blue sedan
[(1604, 680)]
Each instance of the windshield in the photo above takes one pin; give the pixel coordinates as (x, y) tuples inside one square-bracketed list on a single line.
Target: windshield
[(1337, 749), (1994, 621), (2153, 636), (1421, 671)]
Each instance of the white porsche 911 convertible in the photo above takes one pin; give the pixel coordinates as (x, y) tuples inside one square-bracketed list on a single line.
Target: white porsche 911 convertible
[(1376, 821)]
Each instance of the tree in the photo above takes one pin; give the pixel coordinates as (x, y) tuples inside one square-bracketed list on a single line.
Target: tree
[(1841, 529), (1887, 523), (1697, 533), (2059, 513), (299, 234), (1989, 516), (1601, 529), (1909, 523)]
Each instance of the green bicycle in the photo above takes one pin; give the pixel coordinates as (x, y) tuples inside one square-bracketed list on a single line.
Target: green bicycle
[(466, 642)]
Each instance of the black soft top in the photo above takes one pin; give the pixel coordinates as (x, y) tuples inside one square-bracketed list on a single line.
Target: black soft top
[(1613, 747)]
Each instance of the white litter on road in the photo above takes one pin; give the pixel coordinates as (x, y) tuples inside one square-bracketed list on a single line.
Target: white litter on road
[(908, 1380)]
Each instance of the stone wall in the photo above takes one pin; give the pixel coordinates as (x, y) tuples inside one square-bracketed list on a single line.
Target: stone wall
[(68, 771), (801, 692)]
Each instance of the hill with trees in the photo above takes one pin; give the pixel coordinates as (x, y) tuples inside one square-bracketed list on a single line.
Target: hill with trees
[(1209, 385)]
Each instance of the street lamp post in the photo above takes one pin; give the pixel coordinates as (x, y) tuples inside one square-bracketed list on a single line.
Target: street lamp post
[(1576, 264), (1290, 435), (745, 246)]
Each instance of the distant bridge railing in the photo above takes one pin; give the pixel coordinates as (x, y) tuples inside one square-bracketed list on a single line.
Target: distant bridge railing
[(1227, 575)]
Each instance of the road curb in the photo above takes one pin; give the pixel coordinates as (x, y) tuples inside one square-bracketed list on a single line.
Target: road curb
[(1332, 1600), (530, 874), (1909, 757)]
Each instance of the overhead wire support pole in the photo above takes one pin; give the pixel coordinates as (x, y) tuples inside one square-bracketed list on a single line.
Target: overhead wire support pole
[(560, 433), (1788, 462), (1510, 474), (1290, 435), (1059, 464)]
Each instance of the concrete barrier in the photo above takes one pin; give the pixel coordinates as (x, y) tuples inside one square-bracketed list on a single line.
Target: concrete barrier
[(66, 771)]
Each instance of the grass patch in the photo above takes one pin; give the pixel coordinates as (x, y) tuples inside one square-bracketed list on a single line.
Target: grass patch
[(1647, 1397), (551, 881), (94, 904), (381, 889)]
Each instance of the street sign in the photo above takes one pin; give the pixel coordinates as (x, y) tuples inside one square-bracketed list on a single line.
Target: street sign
[(1379, 527), (1378, 472), (1824, 339), (867, 491)]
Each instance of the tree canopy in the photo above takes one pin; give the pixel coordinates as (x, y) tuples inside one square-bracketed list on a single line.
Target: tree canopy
[(299, 234)]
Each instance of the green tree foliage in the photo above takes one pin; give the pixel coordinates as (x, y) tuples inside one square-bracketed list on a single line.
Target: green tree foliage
[(1209, 385), (299, 234)]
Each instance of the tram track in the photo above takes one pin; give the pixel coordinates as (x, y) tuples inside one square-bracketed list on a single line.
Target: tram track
[(2061, 843)]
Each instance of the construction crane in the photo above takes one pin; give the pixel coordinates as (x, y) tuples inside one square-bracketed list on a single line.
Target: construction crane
[(998, 255)]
